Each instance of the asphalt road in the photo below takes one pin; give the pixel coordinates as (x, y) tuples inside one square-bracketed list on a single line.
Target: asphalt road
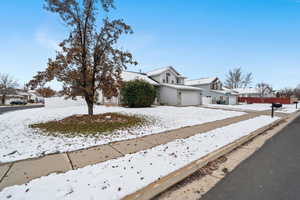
[(13, 108), (273, 172)]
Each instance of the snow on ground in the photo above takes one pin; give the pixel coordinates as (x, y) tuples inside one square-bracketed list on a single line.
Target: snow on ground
[(246, 107), (119, 177), (286, 108), (18, 141)]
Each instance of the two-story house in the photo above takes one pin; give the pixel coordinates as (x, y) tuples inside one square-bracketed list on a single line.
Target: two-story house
[(172, 90), (213, 91)]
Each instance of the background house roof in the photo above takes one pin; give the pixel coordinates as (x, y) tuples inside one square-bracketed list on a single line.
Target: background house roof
[(200, 81), (182, 87), (247, 90), (130, 76)]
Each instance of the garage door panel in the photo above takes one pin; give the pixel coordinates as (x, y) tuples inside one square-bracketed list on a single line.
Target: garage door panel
[(189, 98)]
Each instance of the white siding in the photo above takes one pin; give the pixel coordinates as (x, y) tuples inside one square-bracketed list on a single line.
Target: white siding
[(162, 78), (206, 100), (232, 100)]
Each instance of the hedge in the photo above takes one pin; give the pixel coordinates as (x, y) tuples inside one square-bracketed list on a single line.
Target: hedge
[(138, 93)]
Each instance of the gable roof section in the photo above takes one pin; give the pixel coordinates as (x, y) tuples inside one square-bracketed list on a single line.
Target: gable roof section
[(200, 81), (162, 70), (181, 87), (130, 76), (247, 90)]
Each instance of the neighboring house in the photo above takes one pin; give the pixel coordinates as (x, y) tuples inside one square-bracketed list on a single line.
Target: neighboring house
[(213, 91), (12, 97), (172, 90), (35, 97), (254, 92), (16, 95)]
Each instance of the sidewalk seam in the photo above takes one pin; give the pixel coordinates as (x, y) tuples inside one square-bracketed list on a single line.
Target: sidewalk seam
[(116, 150), (5, 174), (70, 161)]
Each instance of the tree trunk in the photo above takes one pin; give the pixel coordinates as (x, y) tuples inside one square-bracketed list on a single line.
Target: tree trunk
[(3, 99), (90, 105), (91, 108)]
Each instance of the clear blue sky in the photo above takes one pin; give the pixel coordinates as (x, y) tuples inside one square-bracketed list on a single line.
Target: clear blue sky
[(199, 38)]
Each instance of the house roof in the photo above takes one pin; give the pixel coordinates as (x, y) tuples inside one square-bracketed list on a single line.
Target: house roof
[(181, 87), (230, 90), (226, 92), (163, 69), (130, 76), (247, 90), (200, 81)]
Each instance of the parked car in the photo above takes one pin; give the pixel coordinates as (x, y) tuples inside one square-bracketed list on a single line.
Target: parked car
[(18, 103)]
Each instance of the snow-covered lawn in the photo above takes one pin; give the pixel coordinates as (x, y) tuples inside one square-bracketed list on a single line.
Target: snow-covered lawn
[(286, 108), (18, 141), (246, 107), (117, 178)]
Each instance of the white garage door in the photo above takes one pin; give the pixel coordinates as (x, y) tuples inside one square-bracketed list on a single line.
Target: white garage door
[(207, 100), (190, 98), (232, 100)]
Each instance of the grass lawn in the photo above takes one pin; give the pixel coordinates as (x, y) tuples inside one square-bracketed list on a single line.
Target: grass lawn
[(90, 125)]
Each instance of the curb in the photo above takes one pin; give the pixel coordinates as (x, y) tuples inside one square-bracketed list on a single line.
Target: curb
[(173, 178)]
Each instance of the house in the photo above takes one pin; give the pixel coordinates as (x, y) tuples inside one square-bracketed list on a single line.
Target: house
[(172, 90), (213, 91), (254, 92)]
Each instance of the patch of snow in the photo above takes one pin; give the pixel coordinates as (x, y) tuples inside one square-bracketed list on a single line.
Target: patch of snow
[(61, 102), (243, 107), (288, 108), (18, 141), (114, 179), (200, 81), (183, 87), (130, 76)]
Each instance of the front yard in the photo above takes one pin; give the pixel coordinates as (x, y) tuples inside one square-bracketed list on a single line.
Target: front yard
[(19, 141), (114, 179)]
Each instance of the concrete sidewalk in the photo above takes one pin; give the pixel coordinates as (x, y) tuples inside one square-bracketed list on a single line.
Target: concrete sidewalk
[(21, 172)]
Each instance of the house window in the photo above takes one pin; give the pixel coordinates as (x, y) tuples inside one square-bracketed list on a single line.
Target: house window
[(177, 80), (172, 81), (167, 77), (164, 80)]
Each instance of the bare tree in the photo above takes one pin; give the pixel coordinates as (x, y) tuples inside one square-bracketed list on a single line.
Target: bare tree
[(286, 92), (8, 85), (297, 91), (88, 60), (237, 79), (263, 88)]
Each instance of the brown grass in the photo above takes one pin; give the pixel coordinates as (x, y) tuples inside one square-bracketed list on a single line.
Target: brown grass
[(85, 124)]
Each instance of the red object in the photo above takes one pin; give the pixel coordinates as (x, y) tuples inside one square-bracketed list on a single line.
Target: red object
[(264, 100)]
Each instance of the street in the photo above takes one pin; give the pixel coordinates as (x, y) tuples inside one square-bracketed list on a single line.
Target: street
[(273, 172), (13, 108)]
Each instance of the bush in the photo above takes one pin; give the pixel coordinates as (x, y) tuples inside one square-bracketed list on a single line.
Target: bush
[(138, 93)]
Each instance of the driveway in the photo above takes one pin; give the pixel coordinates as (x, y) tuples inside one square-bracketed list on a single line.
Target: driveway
[(271, 173), (5, 109)]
